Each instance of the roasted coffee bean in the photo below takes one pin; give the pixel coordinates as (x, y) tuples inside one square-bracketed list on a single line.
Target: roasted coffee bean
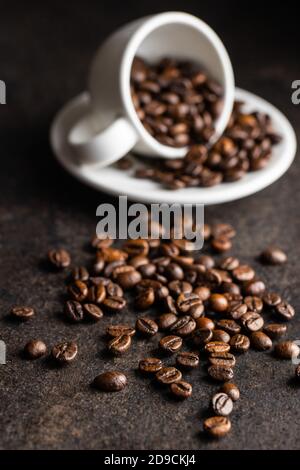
[(137, 247), (221, 244), (161, 293), (222, 404), (187, 300), (217, 426), (120, 330), (202, 336), (114, 303), (230, 326), (145, 299), (285, 311), (110, 267), (203, 292), (166, 320), (92, 311), (138, 261), (119, 344), (218, 302), (206, 261), (287, 350), (183, 326), (252, 321), (220, 335), (260, 341), (181, 389), (229, 263), (146, 326), (187, 360), (113, 254), (275, 330), (65, 352), (222, 359), (196, 311), (170, 344), (150, 365), (169, 304), (35, 349), (236, 309), (22, 312), (216, 347), (147, 270), (271, 299), (128, 280), (59, 258), (178, 287), (78, 291), (243, 273), (101, 241), (80, 273), (256, 288), (110, 381), (240, 343), (220, 373), (223, 230), (231, 390), (254, 304), (113, 290), (273, 255), (205, 322), (96, 294), (168, 375), (73, 311)]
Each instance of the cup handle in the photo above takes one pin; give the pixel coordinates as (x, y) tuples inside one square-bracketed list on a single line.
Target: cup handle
[(103, 147)]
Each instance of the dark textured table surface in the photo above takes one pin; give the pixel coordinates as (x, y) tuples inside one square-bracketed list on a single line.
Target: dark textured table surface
[(45, 50)]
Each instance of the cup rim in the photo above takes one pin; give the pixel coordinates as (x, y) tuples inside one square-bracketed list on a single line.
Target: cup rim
[(147, 27)]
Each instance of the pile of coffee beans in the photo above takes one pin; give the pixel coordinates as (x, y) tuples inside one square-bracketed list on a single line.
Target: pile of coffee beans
[(175, 100), (203, 308)]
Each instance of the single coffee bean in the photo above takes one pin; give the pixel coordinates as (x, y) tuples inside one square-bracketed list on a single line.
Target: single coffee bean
[(260, 341), (177, 287), (230, 288), (35, 349), (275, 330), (187, 360), (256, 288), (96, 294), (271, 299), (137, 247), (65, 352), (111, 381), (222, 404), (168, 375), (218, 302), (187, 300), (59, 258), (202, 336), (205, 322), (119, 330), (146, 326), (203, 292), (181, 389), (236, 309), (220, 335), (150, 365), (254, 304), (110, 267), (207, 261), (217, 426), (221, 244), (230, 326), (22, 312), (78, 291), (240, 343), (285, 311), (119, 344), (274, 255), (80, 273), (128, 280), (114, 303), (222, 359), (220, 373), (113, 290), (223, 230), (147, 270), (166, 320), (184, 326), (73, 311), (92, 311), (216, 347), (231, 390), (229, 263), (252, 321), (169, 304), (170, 344), (114, 254), (243, 273), (145, 299), (287, 350)]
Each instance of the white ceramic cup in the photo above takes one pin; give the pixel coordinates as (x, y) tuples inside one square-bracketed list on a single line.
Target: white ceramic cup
[(112, 128)]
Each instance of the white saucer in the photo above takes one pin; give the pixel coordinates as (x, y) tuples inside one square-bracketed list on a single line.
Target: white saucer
[(119, 182)]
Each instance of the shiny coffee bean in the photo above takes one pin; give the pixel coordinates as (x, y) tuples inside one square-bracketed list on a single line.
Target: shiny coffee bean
[(220, 373), (217, 426), (230, 326), (254, 304), (128, 280), (119, 330), (275, 330), (222, 359), (59, 258), (177, 287), (22, 312), (166, 320), (221, 244), (170, 344), (236, 309), (92, 311), (229, 263), (187, 300), (110, 381), (150, 365), (183, 326), (252, 321), (274, 255), (169, 304), (202, 336), (216, 347), (73, 311), (287, 350), (218, 303), (240, 343), (243, 273), (96, 294), (168, 375), (114, 303), (260, 341), (146, 326), (231, 390), (80, 273), (137, 247), (220, 335), (285, 311), (145, 299), (203, 292), (187, 360), (256, 288), (119, 344), (78, 291), (205, 322), (222, 404), (35, 349), (271, 299), (64, 352), (223, 230), (181, 389)]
